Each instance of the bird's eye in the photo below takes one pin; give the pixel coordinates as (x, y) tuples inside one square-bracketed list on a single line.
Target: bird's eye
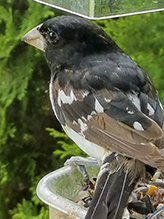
[(53, 36)]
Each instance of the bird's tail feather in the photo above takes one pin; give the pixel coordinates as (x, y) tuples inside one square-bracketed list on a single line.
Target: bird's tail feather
[(116, 180)]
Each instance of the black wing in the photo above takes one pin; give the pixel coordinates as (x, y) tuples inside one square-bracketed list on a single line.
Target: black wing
[(116, 108)]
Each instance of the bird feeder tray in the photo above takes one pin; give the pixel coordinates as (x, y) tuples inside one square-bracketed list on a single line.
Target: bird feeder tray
[(58, 188), (101, 9)]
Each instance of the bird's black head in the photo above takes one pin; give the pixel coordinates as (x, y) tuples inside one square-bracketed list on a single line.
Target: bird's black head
[(68, 36)]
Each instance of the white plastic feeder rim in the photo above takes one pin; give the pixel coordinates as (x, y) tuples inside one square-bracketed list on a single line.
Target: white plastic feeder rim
[(58, 187)]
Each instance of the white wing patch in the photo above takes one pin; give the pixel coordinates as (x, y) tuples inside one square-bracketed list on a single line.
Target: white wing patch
[(67, 99), (91, 115), (138, 126), (83, 126), (131, 112), (98, 107), (85, 93), (135, 100), (160, 104), (107, 100), (151, 110)]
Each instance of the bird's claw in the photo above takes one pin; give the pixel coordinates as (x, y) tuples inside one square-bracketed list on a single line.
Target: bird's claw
[(81, 162)]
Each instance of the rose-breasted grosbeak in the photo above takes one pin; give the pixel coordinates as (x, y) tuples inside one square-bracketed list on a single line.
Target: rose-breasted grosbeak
[(106, 103)]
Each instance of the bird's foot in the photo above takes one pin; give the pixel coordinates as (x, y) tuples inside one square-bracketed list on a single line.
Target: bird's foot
[(81, 162)]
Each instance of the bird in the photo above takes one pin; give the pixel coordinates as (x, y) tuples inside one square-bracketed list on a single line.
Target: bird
[(106, 103)]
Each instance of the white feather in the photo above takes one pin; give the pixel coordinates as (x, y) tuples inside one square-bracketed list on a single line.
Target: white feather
[(135, 100), (67, 99), (88, 147), (83, 126), (138, 126), (151, 110), (98, 106)]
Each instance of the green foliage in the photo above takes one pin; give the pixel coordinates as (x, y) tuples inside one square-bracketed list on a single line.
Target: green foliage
[(16, 69), (68, 147), (22, 144), (27, 210), (141, 37), (27, 151)]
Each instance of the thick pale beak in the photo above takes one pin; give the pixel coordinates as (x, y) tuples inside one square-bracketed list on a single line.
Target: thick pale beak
[(35, 38)]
